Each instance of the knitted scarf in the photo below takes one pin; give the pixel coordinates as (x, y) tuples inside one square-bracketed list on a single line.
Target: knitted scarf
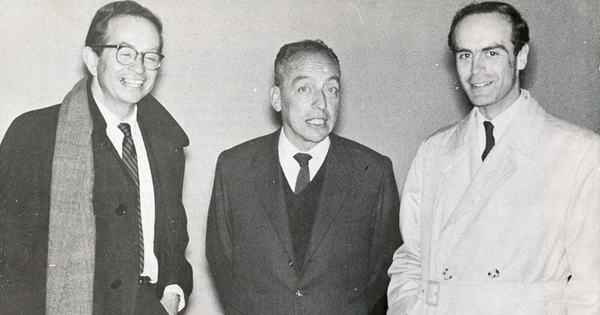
[(72, 233)]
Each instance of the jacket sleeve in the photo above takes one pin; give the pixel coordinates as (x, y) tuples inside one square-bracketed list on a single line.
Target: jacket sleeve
[(219, 249), (386, 235), (181, 273), (582, 295), (405, 271)]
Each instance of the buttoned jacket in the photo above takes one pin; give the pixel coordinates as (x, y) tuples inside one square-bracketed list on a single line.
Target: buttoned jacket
[(505, 235), (355, 232), (25, 174)]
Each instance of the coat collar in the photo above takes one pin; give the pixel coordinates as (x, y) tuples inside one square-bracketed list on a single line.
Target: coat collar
[(156, 123)]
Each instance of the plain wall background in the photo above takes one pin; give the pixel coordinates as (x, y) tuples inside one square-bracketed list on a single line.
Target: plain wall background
[(398, 82)]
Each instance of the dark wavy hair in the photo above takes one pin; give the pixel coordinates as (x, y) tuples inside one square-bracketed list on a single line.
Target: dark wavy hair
[(97, 33), (520, 31), (287, 51)]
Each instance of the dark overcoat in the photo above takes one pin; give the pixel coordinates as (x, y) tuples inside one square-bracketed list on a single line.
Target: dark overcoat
[(26, 155)]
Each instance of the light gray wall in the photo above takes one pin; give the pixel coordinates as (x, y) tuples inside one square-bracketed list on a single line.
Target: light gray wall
[(398, 79)]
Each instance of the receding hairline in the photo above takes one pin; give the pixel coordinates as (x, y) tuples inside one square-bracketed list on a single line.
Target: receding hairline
[(288, 64)]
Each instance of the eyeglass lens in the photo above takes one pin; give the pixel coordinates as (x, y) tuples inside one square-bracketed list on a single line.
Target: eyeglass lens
[(127, 55)]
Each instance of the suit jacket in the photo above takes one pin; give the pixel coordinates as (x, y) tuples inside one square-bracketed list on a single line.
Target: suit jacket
[(355, 232), (503, 237), (26, 155)]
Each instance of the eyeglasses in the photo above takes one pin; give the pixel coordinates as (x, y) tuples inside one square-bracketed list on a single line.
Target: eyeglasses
[(126, 55)]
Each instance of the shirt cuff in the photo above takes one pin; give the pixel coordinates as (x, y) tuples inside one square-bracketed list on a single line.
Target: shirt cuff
[(173, 288)]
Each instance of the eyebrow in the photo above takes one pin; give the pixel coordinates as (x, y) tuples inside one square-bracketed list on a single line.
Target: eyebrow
[(302, 77), (131, 46), (498, 46)]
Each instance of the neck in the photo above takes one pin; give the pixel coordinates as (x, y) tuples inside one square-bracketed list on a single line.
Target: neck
[(493, 110), (121, 110)]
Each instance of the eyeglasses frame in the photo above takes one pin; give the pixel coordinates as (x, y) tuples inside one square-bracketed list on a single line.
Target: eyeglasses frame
[(119, 46)]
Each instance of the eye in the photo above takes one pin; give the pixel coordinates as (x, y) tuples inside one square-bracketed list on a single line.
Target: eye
[(152, 57), (332, 90), (302, 89), (464, 55), (493, 53)]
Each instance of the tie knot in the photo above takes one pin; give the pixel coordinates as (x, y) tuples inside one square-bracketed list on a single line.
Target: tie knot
[(126, 129), (489, 127), (302, 159)]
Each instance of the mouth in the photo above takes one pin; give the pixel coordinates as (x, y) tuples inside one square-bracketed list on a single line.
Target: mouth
[(131, 82), (480, 84), (316, 122)]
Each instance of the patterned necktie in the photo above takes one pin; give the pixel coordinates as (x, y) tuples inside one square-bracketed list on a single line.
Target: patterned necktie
[(489, 139), (303, 174), (129, 156)]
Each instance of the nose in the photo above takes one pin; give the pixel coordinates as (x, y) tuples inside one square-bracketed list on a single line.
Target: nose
[(137, 65), (320, 100), (478, 65)]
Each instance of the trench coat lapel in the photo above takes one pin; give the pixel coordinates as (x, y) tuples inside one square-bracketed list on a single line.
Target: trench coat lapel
[(467, 178), (337, 185), (268, 180), (521, 142)]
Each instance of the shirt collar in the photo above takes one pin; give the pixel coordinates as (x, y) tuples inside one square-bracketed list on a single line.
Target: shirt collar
[(502, 121), (112, 121), (288, 150)]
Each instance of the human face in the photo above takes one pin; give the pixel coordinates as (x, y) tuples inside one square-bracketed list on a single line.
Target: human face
[(487, 66), (119, 87), (308, 99)]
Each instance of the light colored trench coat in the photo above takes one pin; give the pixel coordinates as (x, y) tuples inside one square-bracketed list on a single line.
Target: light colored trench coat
[(501, 237)]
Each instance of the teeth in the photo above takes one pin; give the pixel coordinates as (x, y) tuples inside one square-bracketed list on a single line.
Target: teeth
[(481, 84), (132, 82), (316, 121)]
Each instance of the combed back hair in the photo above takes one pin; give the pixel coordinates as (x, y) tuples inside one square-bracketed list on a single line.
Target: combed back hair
[(96, 35), (520, 31), (287, 51)]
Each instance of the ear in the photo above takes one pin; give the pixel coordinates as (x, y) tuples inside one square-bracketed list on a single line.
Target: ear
[(522, 57), (276, 98), (90, 59)]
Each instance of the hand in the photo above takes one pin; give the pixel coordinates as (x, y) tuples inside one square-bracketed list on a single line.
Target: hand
[(170, 302)]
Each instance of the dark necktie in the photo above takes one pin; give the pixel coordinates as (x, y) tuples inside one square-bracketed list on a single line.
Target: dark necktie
[(489, 139), (303, 174), (129, 156)]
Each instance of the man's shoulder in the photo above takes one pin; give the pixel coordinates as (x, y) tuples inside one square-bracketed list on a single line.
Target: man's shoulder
[(40, 121), (357, 151), (249, 149), (43, 115), (558, 127)]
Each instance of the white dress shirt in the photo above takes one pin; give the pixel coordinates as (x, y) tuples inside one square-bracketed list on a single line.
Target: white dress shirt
[(146, 190), (500, 122), (291, 167)]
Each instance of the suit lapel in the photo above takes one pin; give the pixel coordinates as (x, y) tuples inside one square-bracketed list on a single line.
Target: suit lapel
[(336, 186), (268, 180)]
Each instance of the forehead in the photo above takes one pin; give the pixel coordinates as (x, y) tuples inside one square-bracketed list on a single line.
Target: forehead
[(132, 30), (483, 30), (311, 65)]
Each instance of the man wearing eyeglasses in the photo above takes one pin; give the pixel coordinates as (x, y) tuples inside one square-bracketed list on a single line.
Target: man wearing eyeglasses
[(92, 220)]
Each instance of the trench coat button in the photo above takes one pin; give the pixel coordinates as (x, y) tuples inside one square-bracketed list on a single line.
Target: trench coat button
[(121, 209), (299, 293), (116, 284)]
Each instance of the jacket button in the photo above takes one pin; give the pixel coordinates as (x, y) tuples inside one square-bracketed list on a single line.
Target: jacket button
[(290, 263), (116, 284), (121, 209), (299, 293)]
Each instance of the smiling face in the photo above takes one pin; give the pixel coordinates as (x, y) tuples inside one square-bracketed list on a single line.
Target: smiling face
[(119, 87), (487, 66), (308, 99)]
